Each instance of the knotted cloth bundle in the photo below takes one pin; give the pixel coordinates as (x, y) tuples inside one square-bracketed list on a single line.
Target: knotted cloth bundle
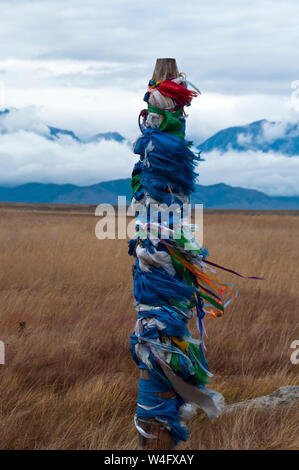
[(171, 283)]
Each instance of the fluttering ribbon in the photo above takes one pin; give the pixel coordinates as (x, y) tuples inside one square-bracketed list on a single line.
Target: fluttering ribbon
[(183, 96), (233, 272)]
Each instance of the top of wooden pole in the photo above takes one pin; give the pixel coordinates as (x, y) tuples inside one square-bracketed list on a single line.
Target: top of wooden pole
[(164, 69)]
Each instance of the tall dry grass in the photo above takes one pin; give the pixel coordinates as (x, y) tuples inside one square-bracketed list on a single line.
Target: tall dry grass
[(69, 381)]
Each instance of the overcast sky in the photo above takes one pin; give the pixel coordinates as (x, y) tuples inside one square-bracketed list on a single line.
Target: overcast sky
[(84, 64)]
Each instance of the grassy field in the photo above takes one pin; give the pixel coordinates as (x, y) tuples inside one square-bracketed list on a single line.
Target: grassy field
[(69, 381)]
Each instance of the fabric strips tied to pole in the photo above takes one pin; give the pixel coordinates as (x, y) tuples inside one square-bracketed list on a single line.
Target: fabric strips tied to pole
[(171, 283)]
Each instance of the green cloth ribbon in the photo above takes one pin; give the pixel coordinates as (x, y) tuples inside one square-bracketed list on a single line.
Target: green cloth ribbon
[(170, 122), (135, 183)]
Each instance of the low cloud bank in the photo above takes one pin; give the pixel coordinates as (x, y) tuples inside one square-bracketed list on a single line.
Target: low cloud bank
[(273, 173), (27, 154)]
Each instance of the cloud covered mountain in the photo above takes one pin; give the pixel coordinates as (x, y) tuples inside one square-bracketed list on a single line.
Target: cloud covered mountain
[(264, 136), (255, 156), (15, 120), (30, 150)]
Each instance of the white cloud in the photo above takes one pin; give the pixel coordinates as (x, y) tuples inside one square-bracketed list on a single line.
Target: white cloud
[(86, 64), (224, 48), (26, 157), (29, 157), (272, 173), (88, 111), (244, 139), (273, 131), (24, 119)]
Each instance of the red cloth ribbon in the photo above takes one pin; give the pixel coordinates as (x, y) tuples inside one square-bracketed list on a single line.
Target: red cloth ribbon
[(177, 92)]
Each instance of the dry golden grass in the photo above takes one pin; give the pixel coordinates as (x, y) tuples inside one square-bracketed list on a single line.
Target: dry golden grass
[(69, 381)]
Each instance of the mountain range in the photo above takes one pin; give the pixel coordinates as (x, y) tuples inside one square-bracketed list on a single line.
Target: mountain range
[(219, 196), (263, 135)]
